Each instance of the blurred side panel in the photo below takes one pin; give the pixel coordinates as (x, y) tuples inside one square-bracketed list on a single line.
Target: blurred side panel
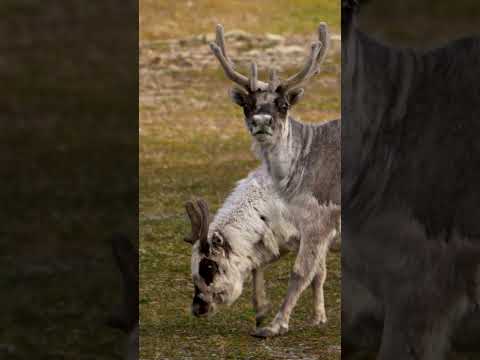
[(410, 180), (69, 173)]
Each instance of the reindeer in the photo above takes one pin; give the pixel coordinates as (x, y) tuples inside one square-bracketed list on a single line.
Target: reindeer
[(125, 316), (252, 229), (303, 161)]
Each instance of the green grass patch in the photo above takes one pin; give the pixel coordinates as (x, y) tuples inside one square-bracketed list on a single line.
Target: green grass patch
[(176, 19)]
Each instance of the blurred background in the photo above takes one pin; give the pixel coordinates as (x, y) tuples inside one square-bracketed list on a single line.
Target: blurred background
[(193, 144), (420, 24), (423, 25), (69, 170)]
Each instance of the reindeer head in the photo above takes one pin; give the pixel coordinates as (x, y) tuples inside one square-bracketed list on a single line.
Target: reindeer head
[(215, 279), (266, 105)]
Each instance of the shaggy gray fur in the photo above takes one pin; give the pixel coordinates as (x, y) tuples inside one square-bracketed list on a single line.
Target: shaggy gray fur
[(257, 228), (305, 160)]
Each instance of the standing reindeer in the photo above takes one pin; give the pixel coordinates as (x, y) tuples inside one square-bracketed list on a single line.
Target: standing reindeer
[(253, 228), (303, 161)]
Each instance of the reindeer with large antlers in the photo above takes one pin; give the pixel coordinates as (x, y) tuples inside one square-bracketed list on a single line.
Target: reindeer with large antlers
[(303, 161), (252, 229)]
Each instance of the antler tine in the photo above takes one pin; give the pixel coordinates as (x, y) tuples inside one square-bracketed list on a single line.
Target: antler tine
[(220, 41), (195, 221), (219, 50), (253, 77), (324, 38), (317, 56), (273, 79), (307, 71), (204, 218)]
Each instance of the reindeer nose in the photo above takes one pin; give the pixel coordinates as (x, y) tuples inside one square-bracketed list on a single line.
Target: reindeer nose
[(200, 307), (262, 120)]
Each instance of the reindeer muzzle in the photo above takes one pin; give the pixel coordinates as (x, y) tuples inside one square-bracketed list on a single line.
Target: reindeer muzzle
[(202, 301), (261, 125)]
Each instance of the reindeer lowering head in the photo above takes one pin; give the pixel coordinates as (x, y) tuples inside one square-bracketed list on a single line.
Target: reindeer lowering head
[(266, 104), (215, 280), (243, 236)]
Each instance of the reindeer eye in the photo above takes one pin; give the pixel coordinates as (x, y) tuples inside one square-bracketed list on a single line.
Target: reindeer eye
[(207, 270), (281, 105), (248, 108)]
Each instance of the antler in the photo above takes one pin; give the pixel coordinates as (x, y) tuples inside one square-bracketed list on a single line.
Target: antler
[(318, 52), (204, 217), (324, 39), (218, 49), (253, 77), (317, 55), (199, 217), (195, 221)]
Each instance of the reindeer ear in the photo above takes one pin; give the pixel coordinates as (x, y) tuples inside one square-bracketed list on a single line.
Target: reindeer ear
[(238, 96), (294, 96)]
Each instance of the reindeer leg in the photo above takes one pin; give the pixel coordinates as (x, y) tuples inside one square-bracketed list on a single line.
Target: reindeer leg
[(261, 305), (319, 313), (299, 281), (315, 238)]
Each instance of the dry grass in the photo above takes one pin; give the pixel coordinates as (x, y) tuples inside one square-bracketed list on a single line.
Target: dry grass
[(175, 19)]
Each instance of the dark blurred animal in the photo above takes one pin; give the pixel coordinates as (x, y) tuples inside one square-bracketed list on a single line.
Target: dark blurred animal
[(125, 316), (410, 195)]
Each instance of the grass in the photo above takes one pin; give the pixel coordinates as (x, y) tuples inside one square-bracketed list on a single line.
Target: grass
[(177, 19), (193, 144)]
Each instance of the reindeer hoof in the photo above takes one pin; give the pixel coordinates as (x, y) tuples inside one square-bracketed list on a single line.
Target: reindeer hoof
[(262, 315), (319, 321), (267, 332), (259, 320)]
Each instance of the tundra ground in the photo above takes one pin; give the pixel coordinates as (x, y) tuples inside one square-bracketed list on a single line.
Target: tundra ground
[(193, 144)]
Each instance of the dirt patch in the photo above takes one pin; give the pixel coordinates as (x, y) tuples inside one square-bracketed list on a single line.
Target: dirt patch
[(165, 66)]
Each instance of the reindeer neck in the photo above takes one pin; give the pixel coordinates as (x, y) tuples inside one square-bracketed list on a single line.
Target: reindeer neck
[(279, 158)]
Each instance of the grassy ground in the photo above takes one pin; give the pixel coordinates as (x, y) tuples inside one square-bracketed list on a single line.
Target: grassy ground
[(173, 19), (193, 143)]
